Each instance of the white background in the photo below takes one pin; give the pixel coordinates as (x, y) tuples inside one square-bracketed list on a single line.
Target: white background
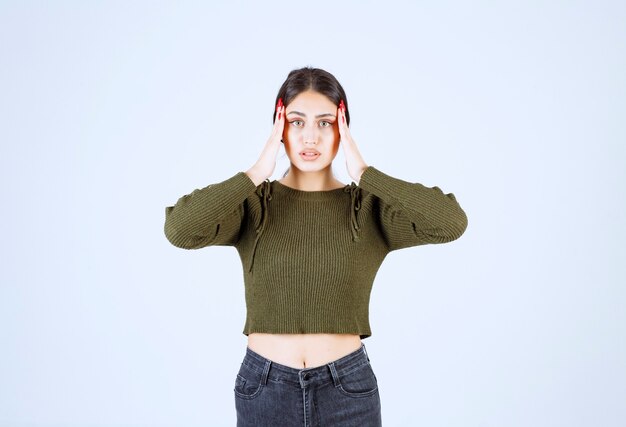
[(111, 111)]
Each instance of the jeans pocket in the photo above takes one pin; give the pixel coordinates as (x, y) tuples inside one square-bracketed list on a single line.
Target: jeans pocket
[(360, 382), (248, 383)]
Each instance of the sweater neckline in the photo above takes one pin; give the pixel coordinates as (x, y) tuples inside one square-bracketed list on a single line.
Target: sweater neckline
[(308, 195)]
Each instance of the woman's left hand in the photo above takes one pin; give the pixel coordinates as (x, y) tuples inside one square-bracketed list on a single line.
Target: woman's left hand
[(354, 162)]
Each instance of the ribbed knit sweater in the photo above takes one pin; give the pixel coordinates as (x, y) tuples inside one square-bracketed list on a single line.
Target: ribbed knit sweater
[(310, 257)]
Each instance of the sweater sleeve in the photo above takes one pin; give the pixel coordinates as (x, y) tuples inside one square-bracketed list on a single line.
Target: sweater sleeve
[(209, 216), (411, 214)]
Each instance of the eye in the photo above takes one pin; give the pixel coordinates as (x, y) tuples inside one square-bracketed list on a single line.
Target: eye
[(327, 123), (296, 121)]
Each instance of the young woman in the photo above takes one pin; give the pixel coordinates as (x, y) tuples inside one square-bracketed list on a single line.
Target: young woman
[(310, 247)]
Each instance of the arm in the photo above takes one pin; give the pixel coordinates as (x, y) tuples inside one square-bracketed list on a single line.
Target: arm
[(411, 214), (209, 216)]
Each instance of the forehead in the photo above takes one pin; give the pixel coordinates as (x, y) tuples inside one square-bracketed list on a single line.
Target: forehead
[(311, 102)]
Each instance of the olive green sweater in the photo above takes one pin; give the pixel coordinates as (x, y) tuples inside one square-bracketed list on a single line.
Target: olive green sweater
[(310, 257)]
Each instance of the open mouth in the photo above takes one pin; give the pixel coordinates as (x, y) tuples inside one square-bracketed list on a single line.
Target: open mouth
[(309, 156)]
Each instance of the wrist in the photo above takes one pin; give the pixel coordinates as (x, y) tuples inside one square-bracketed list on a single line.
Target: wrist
[(255, 176), (361, 173)]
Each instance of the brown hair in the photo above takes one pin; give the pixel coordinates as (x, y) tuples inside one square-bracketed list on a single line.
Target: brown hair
[(309, 78)]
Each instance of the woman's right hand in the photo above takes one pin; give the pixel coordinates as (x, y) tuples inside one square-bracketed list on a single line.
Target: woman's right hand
[(264, 167)]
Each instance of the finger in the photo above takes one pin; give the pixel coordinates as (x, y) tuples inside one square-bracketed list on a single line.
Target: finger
[(340, 124), (342, 130), (342, 106), (281, 119), (279, 114), (281, 125)]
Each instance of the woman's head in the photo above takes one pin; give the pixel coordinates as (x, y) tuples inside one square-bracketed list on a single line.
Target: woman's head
[(311, 97)]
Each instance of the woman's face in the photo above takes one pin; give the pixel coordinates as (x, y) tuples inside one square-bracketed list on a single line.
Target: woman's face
[(311, 124)]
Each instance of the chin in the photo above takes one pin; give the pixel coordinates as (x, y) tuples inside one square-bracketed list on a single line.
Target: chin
[(310, 166)]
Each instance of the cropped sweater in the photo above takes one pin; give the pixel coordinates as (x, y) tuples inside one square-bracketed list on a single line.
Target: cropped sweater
[(310, 257)]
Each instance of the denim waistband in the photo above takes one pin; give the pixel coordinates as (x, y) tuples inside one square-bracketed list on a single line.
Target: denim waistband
[(323, 373)]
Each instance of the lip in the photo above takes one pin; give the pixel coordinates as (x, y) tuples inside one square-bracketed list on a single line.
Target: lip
[(304, 157)]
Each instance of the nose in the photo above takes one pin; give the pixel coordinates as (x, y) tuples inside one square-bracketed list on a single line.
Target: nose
[(310, 135)]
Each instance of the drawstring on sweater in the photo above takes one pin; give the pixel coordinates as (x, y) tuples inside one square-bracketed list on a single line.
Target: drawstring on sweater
[(264, 191), (355, 205)]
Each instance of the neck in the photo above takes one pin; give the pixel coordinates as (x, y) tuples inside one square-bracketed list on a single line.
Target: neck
[(321, 180)]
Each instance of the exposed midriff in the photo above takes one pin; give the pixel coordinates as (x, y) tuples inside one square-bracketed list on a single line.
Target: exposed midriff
[(303, 350)]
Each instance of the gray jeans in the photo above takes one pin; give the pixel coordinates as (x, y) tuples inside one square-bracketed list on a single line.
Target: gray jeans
[(342, 393)]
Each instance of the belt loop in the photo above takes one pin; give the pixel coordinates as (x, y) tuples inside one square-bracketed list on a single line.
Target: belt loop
[(266, 371), (333, 372), (365, 351)]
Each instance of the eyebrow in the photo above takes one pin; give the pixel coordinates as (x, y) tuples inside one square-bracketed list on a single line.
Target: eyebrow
[(318, 116)]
